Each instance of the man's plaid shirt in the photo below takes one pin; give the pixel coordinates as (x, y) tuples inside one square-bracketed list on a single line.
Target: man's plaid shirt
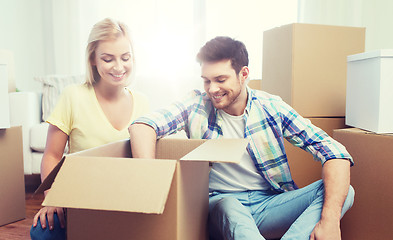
[(268, 121)]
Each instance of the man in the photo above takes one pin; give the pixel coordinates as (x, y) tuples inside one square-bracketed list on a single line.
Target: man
[(256, 199)]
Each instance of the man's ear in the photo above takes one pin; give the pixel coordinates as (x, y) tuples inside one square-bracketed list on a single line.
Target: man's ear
[(243, 74)]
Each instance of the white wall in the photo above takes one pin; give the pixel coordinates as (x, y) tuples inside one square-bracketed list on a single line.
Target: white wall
[(27, 24), (375, 15), (21, 32), (49, 36), (246, 21)]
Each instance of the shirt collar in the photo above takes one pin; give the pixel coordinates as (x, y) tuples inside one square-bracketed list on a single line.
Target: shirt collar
[(250, 98)]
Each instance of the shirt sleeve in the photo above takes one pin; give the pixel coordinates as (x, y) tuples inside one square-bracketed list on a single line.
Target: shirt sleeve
[(302, 133), (61, 115), (171, 119)]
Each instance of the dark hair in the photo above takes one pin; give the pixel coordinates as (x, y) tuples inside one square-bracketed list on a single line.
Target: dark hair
[(221, 48)]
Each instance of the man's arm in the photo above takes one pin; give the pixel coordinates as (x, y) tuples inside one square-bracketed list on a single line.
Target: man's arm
[(336, 179), (143, 140)]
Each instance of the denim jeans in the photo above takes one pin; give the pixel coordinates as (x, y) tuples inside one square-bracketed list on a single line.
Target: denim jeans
[(58, 233), (267, 215)]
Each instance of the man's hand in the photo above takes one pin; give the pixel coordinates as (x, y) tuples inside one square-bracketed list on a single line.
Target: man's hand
[(326, 231), (49, 212)]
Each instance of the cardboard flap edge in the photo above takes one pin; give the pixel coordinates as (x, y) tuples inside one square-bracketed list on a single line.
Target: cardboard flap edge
[(47, 183)]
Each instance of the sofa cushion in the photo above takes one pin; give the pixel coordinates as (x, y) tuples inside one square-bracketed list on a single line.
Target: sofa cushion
[(38, 134), (52, 86), (36, 159)]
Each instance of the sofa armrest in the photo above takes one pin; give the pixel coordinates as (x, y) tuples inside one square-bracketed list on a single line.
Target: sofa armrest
[(25, 111)]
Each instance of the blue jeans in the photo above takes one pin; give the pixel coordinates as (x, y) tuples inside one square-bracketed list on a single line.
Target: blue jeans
[(267, 215), (58, 233)]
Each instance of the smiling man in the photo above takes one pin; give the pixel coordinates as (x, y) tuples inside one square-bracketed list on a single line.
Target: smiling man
[(257, 198)]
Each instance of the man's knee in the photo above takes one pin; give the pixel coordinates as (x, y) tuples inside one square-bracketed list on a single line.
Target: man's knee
[(224, 204), (350, 197)]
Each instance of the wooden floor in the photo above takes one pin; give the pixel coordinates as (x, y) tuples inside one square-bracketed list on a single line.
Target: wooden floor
[(21, 229)]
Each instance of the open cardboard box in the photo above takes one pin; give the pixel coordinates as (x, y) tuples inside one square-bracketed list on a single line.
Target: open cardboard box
[(109, 195)]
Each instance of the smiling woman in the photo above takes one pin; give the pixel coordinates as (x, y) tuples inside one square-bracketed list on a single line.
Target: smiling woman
[(91, 114)]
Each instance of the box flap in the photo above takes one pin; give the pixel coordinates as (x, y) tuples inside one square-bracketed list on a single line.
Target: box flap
[(219, 150), (115, 149), (121, 149), (115, 184), (47, 183)]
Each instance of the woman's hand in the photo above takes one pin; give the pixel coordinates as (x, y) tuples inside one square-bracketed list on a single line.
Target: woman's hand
[(49, 212)]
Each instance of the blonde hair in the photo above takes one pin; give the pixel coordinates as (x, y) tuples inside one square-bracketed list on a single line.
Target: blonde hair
[(107, 29)]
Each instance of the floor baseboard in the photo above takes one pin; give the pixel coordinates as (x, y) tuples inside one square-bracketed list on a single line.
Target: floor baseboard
[(32, 182)]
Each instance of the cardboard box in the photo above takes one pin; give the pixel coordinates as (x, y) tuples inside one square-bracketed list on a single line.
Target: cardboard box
[(112, 196), (255, 84), (306, 65), (4, 99), (371, 176), (304, 169), (7, 57), (369, 91), (12, 186)]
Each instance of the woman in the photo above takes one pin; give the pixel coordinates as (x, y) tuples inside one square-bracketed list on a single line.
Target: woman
[(91, 114)]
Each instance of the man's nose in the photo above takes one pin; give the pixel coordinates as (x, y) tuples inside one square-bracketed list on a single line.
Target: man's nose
[(214, 87)]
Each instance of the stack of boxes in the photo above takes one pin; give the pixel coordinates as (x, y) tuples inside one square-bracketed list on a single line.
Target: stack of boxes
[(305, 64), (369, 92), (368, 109), (12, 187), (324, 74)]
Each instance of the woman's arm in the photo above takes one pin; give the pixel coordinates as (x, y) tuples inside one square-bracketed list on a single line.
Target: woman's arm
[(55, 143), (54, 149)]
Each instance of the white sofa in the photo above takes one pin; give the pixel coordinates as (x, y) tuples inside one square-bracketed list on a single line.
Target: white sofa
[(30, 109), (25, 111)]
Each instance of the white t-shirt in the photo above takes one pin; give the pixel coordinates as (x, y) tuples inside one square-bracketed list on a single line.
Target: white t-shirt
[(232, 177)]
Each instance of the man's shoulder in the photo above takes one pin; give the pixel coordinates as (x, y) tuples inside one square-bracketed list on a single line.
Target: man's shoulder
[(197, 96), (265, 97)]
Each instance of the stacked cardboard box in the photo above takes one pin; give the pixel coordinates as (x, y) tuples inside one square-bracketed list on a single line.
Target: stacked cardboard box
[(371, 176), (305, 64), (12, 187), (4, 100), (369, 91), (304, 168), (255, 84)]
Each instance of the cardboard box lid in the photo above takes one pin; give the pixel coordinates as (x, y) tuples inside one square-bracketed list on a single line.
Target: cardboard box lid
[(127, 184), (115, 184), (382, 53)]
